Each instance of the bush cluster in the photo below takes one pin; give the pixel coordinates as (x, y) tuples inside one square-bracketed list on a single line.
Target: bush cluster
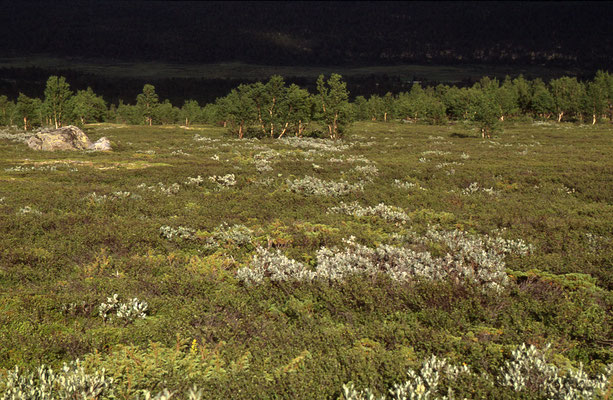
[(470, 259)]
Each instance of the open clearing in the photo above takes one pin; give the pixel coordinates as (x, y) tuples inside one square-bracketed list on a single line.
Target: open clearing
[(200, 226)]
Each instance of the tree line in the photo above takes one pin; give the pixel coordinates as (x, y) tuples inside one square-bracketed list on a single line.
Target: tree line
[(276, 109)]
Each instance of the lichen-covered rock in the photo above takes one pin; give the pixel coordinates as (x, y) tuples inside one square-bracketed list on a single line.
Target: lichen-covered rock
[(102, 144), (65, 138)]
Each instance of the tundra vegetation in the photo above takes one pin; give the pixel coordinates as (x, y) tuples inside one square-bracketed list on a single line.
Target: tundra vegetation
[(409, 258)]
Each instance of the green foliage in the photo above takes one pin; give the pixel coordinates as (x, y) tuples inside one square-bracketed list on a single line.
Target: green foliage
[(487, 113), (7, 111), (333, 99), (87, 107), (57, 99), (146, 103), (172, 214), (238, 108), (528, 374), (542, 103), (567, 95), (127, 114), (190, 112), (28, 110), (277, 110), (71, 382), (523, 92), (156, 367), (596, 100), (166, 113)]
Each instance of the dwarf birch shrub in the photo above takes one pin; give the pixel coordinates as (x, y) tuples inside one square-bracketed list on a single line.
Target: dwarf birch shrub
[(429, 382), (381, 210), (23, 168), (274, 266), (168, 190), (310, 185), (119, 195), (126, 312), (192, 394), (180, 232), (262, 160), (404, 264), (407, 185), (462, 241), (70, 383), (21, 137), (368, 171), (475, 188), (29, 210), (316, 144), (191, 181), (469, 260), (224, 181), (238, 235), (528, 373)]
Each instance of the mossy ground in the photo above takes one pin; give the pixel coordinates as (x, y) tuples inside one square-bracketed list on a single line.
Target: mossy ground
[(552, 186)]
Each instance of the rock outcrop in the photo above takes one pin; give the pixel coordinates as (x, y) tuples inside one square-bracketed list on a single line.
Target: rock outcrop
[(66, 138), (102, 144)]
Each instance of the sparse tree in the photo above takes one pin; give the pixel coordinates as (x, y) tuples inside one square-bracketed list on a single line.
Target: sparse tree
[(542, 103), (128, 114), (165, 113), (360, 108), (7, 109), (455, 103), (388, 106), (375, 107), (600, 96), (209, 113), (239, 108), (147, 102), (487, 113), (299, 110), (334, 101), (416, 102), (87, 106), (595, 100), (567, 95), (507, 99), (190, 111), (523, 93), (57, 95), (27, 109), (435, 111), (275, 100)]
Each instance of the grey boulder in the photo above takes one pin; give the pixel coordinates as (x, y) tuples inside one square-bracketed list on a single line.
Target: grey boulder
[(66, 138)]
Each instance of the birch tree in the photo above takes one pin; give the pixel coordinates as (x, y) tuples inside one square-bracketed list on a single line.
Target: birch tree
[(334, 102), (57, 96), (147, 102)]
